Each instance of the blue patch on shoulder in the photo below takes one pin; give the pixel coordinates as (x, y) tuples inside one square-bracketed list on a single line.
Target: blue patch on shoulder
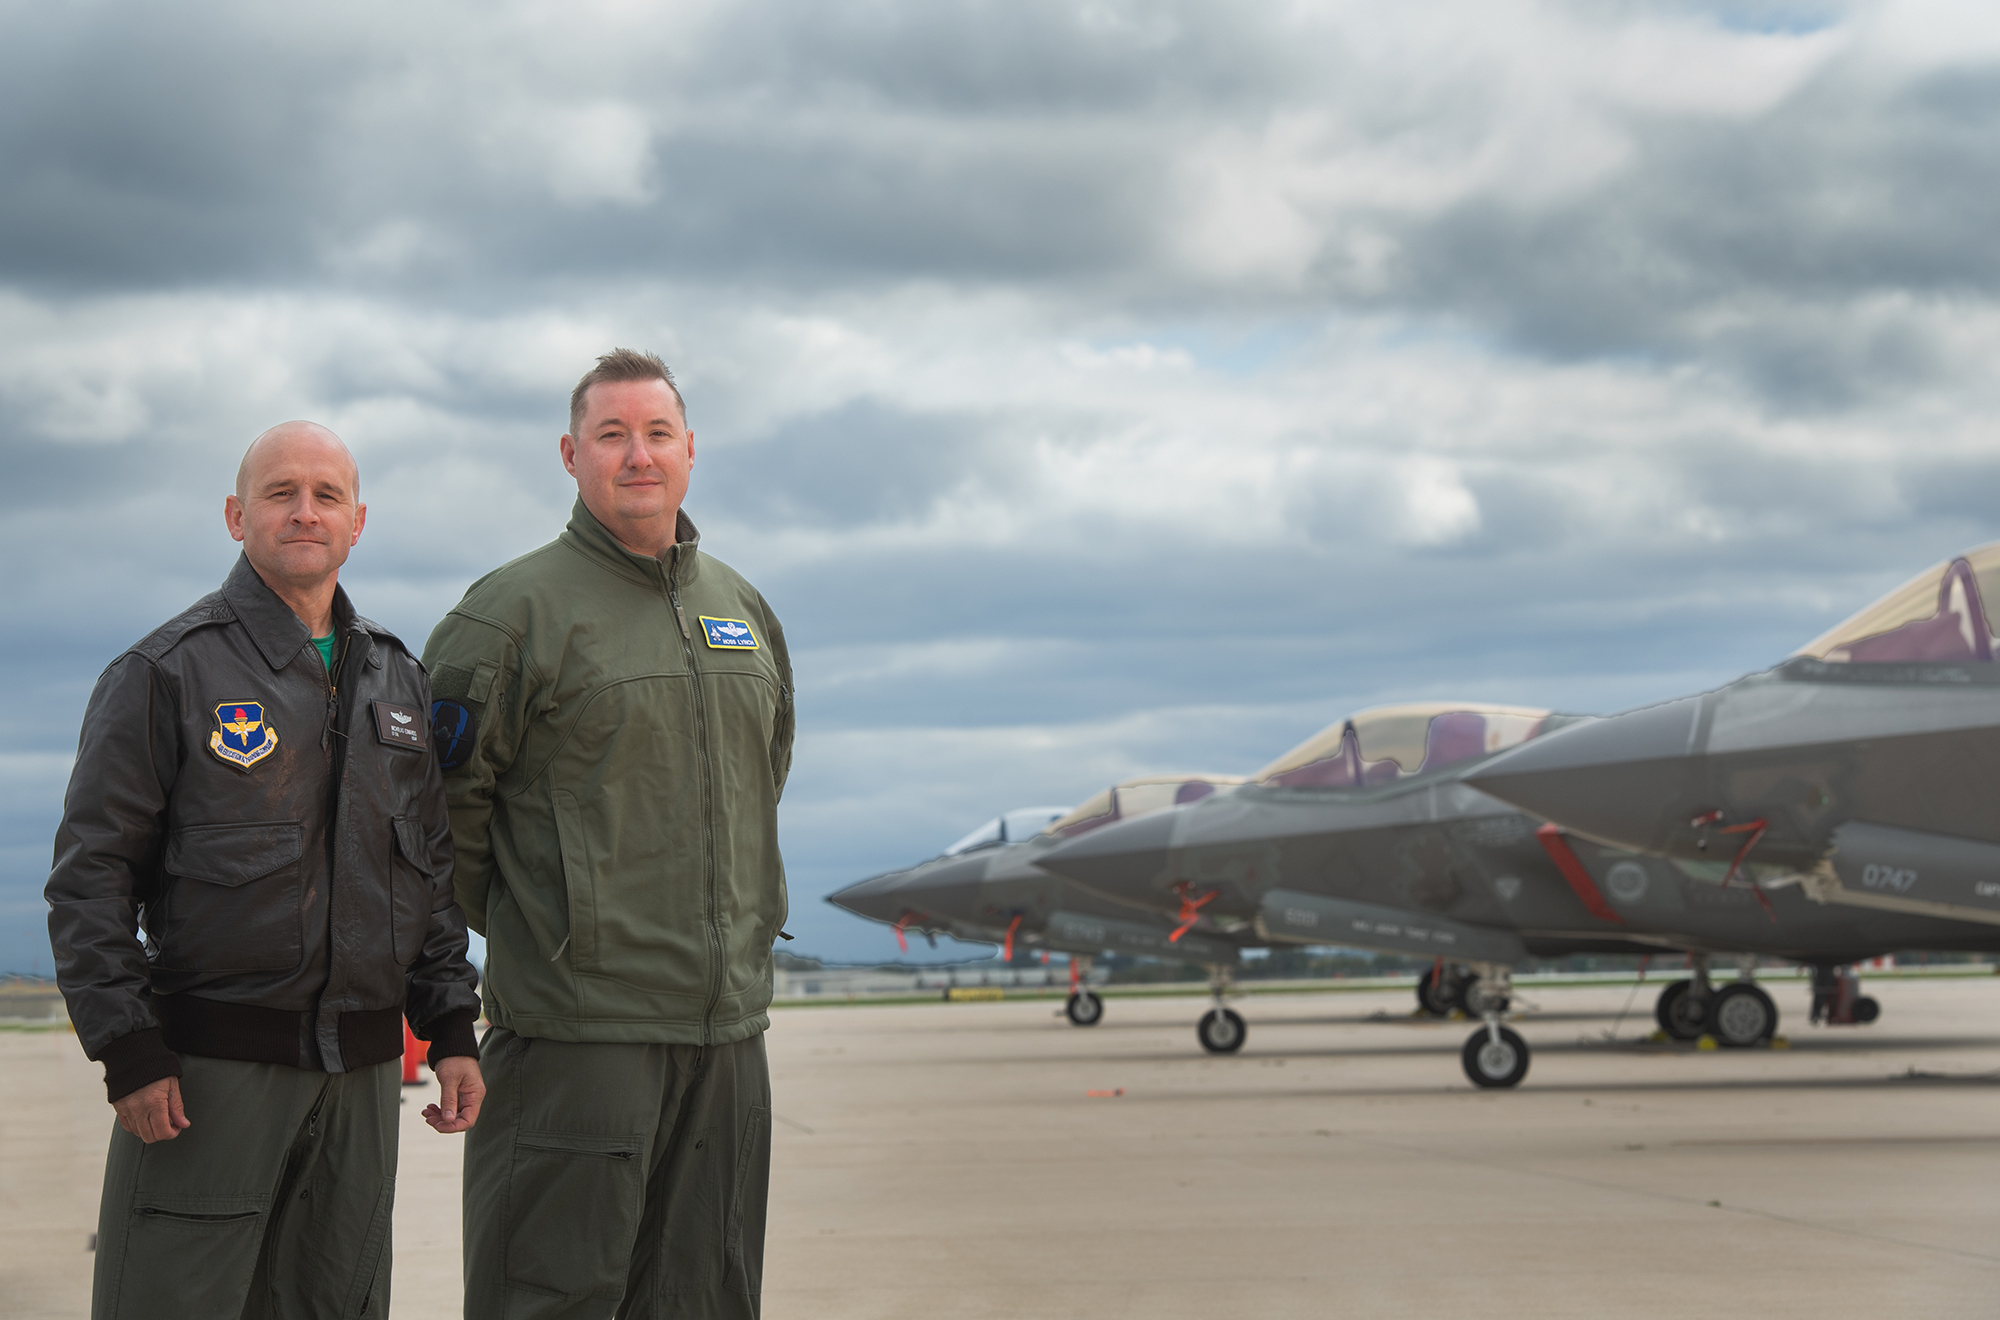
[(729, 634), (454, 732)]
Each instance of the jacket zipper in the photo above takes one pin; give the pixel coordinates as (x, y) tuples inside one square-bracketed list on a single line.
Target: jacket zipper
[(338, 763), (339, 750), (707, 795)]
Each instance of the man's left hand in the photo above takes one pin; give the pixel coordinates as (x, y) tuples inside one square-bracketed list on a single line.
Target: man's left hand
[(460, 1090)]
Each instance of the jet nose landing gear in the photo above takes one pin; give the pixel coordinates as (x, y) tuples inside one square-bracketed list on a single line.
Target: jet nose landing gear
[(1494, 1056), (1084, 1009), (1221, 1030)]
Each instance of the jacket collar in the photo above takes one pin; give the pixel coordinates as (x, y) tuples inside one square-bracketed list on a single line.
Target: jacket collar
[(677, 566), (278, 632)]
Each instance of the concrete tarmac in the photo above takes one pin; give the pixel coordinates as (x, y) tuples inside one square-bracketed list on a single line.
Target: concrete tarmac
[(952, 1161)]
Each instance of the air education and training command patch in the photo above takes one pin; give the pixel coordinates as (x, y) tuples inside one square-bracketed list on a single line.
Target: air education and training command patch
[(729, 634), (243, 736)]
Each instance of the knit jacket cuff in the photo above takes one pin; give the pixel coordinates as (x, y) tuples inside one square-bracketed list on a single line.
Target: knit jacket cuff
[(452, 1034), (137, 1060)]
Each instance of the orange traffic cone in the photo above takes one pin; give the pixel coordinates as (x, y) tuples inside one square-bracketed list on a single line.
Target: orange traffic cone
[(413, 1054)]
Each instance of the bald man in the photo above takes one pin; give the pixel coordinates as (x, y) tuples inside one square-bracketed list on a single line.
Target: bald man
[(256, 794)]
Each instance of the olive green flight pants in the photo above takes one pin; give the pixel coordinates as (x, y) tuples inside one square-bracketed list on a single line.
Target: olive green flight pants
[(613, 1179), (273, 1205)]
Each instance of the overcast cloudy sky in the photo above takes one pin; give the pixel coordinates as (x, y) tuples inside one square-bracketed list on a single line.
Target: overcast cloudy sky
[(1093, 388)]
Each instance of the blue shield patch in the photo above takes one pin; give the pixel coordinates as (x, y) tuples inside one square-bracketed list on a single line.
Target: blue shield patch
[(729, 634), (242, 736), (454, 732)]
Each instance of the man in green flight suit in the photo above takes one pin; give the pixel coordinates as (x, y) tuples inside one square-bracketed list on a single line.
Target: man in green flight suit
[(614, 721)]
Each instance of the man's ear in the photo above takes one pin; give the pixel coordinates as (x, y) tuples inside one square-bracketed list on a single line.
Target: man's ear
[(567, 448), (360, 517), (232, 517)]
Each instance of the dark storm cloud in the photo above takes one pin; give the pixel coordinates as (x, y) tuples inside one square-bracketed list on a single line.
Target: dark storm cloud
[(1036, 143)]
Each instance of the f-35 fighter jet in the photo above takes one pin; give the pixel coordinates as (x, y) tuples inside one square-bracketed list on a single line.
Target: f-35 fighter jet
[(1860, 770), (988, 887), (1369, 835)]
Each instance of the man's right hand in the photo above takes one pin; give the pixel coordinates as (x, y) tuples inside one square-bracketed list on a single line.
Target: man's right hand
[(153, 1112)]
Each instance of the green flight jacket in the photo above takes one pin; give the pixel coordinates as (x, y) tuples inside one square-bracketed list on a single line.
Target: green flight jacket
[(615, 731)]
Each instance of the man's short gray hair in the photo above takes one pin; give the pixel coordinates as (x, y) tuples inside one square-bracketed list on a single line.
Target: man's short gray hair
[(617, 365)]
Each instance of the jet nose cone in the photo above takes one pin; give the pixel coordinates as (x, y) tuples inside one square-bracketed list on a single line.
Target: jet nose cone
[(1623, 779), (869, 898), (1126, 860)]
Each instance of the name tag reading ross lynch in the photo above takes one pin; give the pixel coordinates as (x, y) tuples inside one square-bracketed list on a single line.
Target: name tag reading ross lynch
[(401, 726)]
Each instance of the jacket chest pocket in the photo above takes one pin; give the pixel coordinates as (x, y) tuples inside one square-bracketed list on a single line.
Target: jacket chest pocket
[(410, 896), (233, 898)]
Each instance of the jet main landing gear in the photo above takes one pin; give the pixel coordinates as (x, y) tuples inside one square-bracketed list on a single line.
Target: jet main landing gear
[(1494, 1056), (1438, 988), (1685, 1009), (1221, 1029), (1742, 1015), (1682, 1010), (1737, 1016)]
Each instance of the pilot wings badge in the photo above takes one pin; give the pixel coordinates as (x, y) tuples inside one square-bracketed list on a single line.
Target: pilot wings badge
[(243, 736)]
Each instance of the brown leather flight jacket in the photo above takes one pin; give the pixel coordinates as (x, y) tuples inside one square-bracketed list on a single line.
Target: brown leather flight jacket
[(280, 835)]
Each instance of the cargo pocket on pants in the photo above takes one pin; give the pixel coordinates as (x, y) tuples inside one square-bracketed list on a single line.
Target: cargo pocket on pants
[(747, 1206), (198, 1252), (573, 1204)]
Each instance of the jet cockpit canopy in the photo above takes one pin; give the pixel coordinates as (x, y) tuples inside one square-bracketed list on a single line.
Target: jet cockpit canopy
[(1015, 826), (1387, 743), (1138, 797), (1937, 617)]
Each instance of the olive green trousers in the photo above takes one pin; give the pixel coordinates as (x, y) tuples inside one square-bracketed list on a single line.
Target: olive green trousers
[(612, 1179), (274, 1204)]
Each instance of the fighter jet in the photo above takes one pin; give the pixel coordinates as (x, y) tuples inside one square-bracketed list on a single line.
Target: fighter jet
[(988, 887), (1368, 835), (1860, 769)]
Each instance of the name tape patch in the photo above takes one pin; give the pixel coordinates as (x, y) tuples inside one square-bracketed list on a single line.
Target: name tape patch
[(729, 634), (401, 726)]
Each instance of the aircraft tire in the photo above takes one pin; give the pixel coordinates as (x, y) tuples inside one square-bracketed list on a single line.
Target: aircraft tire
[(1866, 1009), (1742, 1016), (1492, 1064), (1432, 998), (1679, 1014), (1084, 1009), (1221, 1031)]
